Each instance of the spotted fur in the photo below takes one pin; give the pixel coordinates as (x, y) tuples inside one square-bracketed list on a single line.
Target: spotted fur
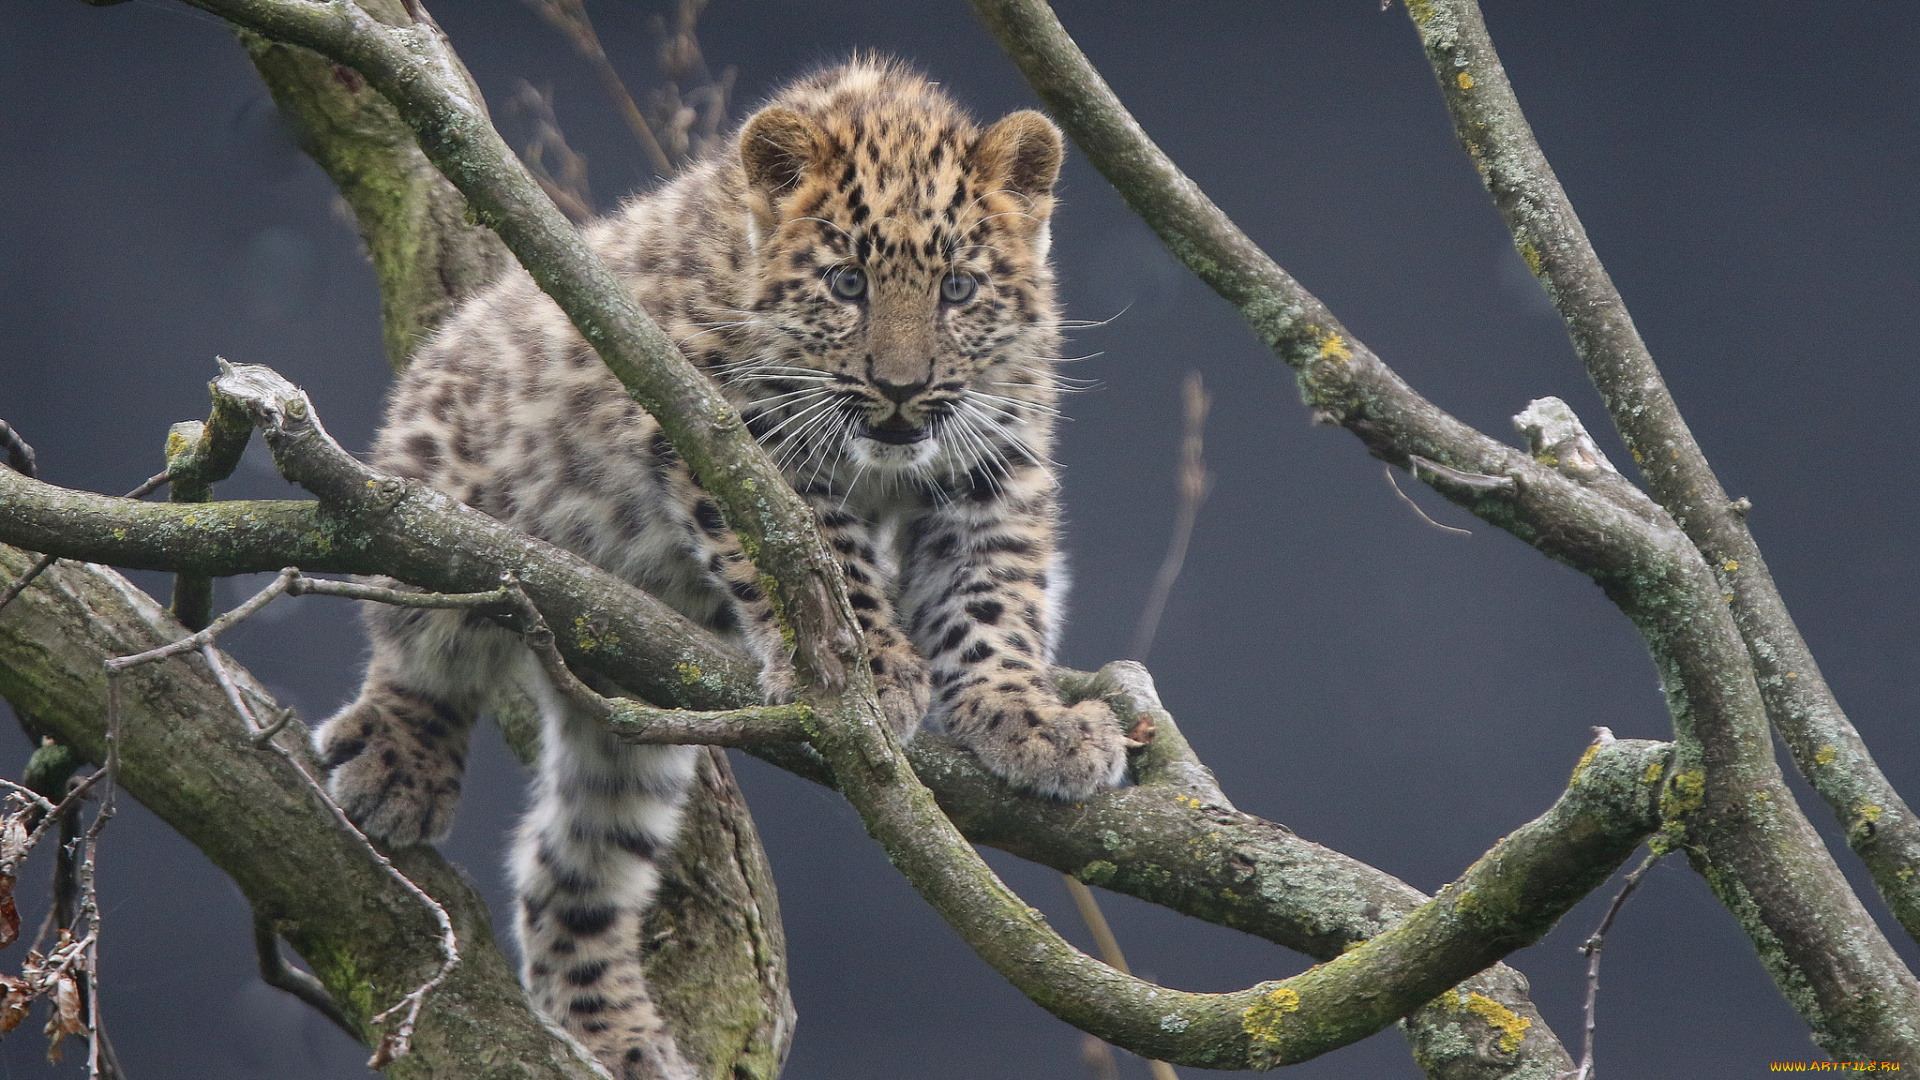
[(867, 279)]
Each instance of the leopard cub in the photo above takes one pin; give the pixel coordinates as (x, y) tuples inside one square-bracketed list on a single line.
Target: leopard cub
[(865, 275)]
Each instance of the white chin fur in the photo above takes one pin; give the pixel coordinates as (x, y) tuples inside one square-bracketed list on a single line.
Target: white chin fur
[(886, 457)]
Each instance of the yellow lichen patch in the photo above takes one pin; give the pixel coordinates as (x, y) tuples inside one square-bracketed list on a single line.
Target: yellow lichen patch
[(1871, 812), (1824, 755), (1421, 10), (1732, 565), (1332, 346), (1652, 775), (1262, 1019), (1793, 674), (1511, 1026), (1592, 749), (586, 639), (1532, 255), (689, 672), (1686, 792), (1097, 872), (1465, 81)]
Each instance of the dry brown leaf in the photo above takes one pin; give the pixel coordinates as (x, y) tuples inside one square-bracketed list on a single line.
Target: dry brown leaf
[(18, 1003), (9, 914), (13, 841), (66, 1000), (383, 1057), (65, 1020)]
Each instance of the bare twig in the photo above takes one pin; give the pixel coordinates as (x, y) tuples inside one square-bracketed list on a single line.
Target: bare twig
[(689, 118), (492, 601), (1098, 1057), (1194, 485), (635, 722), (20, 456), (277, 973), (1395, 484), (1591, 950), (569, 190), (396, 1042), (221, 625), (76, 792), (570, 18)]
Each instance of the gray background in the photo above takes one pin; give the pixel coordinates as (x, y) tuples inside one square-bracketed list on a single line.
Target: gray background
[(1402, 694)]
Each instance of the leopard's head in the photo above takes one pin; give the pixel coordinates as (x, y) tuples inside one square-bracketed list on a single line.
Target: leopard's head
[(905, 302)]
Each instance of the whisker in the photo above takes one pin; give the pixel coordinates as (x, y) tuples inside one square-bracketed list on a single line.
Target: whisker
[(826, 400), (1065, 359)]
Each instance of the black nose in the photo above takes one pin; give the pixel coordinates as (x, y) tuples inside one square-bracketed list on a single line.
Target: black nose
[(900, 393)]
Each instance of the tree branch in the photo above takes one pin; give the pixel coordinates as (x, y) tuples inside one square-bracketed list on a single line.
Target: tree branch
[(1505, 898), (1549, 236), (1727, 801), (253, 814), (200, 455), (1254, 1027)]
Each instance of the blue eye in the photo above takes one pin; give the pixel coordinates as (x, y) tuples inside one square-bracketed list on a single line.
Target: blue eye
[(958, 287), (848, 283)]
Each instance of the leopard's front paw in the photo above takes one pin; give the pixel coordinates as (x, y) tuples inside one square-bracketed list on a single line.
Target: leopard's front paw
[(394, 763), (900, 676), (1061, 751)]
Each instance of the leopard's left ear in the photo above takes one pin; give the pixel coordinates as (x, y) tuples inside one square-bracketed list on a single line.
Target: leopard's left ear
[(777, 148), (1022, 152)]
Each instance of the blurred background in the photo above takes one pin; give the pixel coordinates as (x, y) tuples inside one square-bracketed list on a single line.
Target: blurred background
[(1401, 693)]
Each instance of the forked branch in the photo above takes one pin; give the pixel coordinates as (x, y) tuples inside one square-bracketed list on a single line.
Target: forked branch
[(1728, 803), (1550, 237)]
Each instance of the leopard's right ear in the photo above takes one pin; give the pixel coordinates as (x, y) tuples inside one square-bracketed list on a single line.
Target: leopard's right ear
[(777, 147)]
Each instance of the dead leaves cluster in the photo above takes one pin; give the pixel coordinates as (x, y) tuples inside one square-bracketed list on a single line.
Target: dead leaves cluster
[(58, 975)]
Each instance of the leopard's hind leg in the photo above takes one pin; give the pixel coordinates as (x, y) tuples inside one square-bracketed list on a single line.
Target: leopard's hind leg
[(585, 871)]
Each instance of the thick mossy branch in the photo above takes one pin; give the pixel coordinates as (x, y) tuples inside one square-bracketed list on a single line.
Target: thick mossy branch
[(186, 756), (1769, 866), (1829, 752)]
